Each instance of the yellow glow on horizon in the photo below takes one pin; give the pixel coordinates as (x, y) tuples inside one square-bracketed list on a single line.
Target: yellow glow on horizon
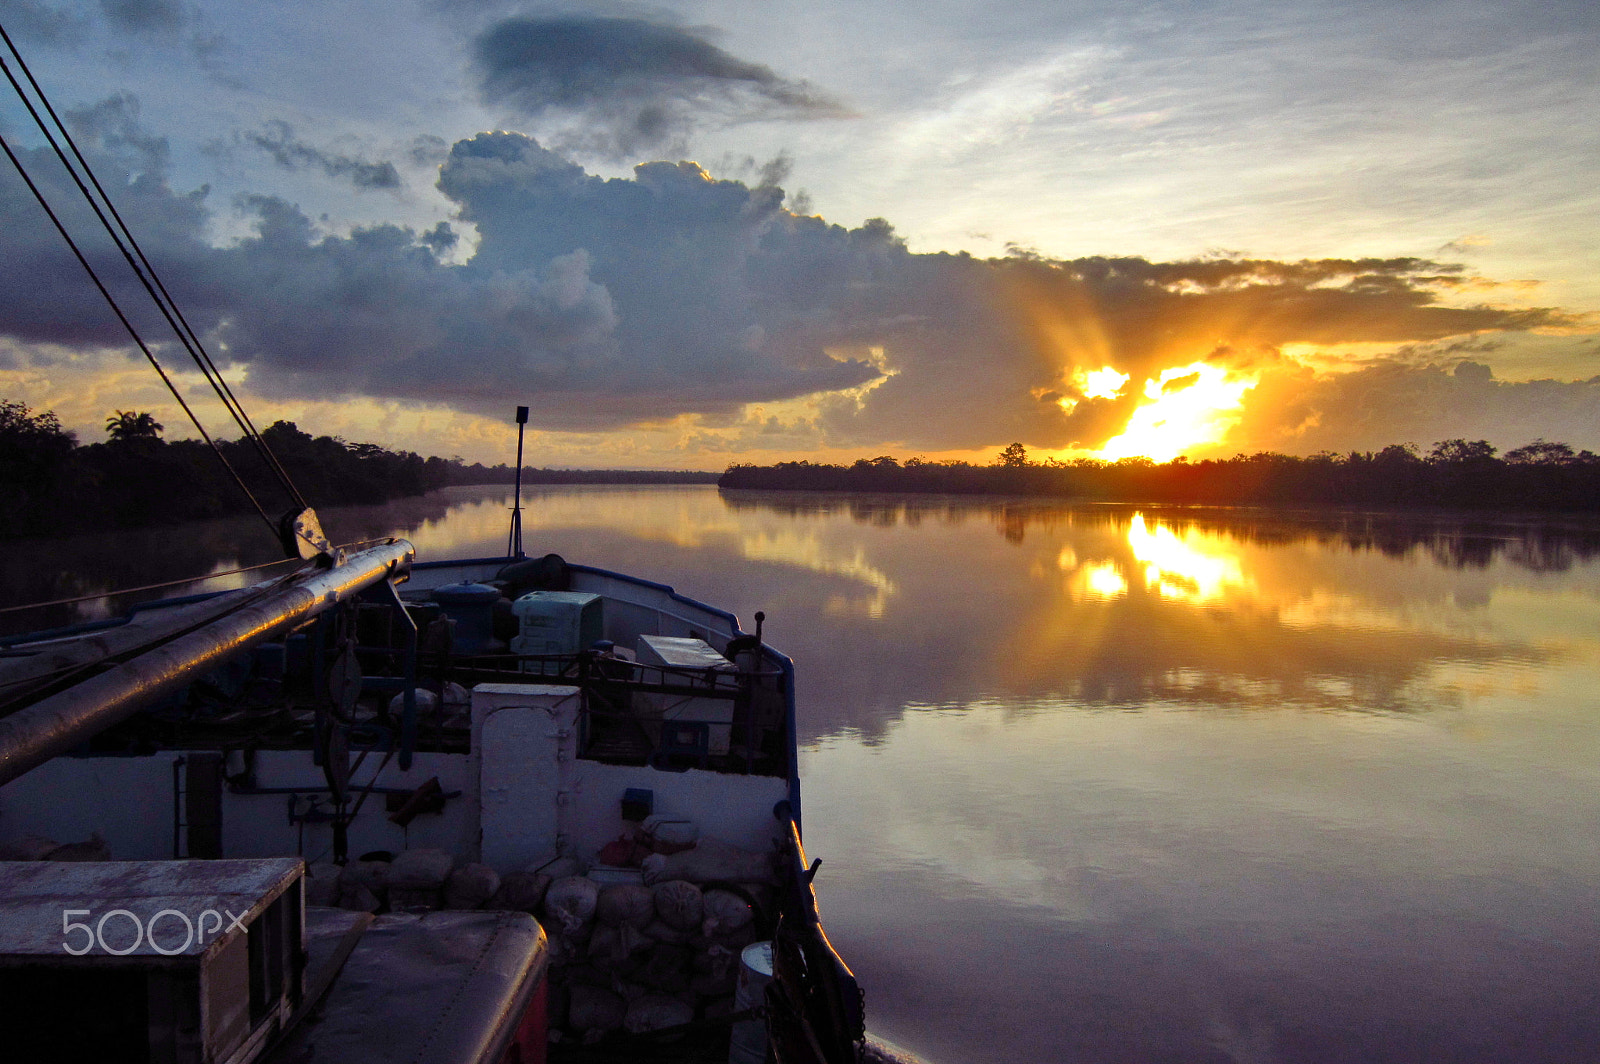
[(1176, 419)]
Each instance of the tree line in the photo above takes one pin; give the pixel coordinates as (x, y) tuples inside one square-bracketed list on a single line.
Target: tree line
[(49, 483), (1458, 473)]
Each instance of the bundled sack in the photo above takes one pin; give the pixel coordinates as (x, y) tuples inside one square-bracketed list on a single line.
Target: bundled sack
[(470, 886), (679, 905), (521, 892), (725, 913), (667, 968), (374, 875), (571, 902), (656, 1012), (593, 1008), (357, 898), (420, 870), (710, 860), (669, 834), (322, 884), (660, 932), (612, 947), (626, 904)]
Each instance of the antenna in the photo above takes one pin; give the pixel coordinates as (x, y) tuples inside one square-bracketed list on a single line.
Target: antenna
[(514, 543)]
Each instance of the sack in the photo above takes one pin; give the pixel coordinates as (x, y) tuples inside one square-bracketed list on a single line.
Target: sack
[(571, 902), (725, 913), (322, 884), (470, 886), (521, 892), (654, 1012), (709, 861), (679, 905), (626, 904), (593, 1008), (421, 869)]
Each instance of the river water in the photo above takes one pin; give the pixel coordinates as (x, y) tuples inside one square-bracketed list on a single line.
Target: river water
[(1108, 783)]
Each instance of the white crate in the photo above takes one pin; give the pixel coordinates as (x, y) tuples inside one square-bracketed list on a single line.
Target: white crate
[(680, 652)]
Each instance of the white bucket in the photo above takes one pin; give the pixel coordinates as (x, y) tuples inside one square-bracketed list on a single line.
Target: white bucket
[(749, 1042)]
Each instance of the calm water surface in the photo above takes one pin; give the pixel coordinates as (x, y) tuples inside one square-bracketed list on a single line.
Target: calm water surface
[(1112, 784)]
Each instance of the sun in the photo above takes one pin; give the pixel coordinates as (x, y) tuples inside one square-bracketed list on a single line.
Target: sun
[(1188, 406)]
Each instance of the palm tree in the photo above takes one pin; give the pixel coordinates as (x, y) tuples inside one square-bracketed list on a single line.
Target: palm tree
[(126, 425)]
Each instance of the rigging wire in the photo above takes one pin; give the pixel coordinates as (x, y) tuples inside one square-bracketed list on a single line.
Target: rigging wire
[(142, 267), (146, 587), (137, 339), (351, 546)]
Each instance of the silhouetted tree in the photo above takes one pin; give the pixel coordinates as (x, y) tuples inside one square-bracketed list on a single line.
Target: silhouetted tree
[(1014, 456), (1460, 451), (1541, 453), (35, 457), (125, 425)]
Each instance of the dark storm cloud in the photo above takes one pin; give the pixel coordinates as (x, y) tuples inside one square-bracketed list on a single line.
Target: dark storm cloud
[(610, 302), (638, 85), (291, 153), (146, 16), (46, 297), (47, 24)]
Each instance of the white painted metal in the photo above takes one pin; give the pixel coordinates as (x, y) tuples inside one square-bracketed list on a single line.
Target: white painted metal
[(538, 798), (682, 652), (526, 738)]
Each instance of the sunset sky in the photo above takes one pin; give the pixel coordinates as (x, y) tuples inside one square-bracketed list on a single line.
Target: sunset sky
[(1107, 228)]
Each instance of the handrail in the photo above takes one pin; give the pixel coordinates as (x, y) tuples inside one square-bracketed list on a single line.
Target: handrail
[(55, 724), (816, 1009)]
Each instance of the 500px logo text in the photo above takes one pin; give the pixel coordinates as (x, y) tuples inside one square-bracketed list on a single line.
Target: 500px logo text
[(127, 932)]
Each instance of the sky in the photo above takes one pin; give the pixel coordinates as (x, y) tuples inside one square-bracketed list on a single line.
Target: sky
[(691, 234)]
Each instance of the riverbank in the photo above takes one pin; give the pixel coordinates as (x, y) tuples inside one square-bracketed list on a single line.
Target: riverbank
[(1455, 475), (54, 486)]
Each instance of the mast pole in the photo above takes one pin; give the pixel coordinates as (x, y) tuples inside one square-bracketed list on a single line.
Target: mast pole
[(514, 543)]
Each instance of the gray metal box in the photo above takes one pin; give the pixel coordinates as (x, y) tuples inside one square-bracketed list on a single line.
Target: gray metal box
[(172, 962)]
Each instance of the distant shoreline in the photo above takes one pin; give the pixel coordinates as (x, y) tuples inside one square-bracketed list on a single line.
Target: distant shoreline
[(135, 479), (1542, 478), (502, 475)]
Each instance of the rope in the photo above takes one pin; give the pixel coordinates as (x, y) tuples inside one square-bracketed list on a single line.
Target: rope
[(126, 324), (164, 301), (146, 587)]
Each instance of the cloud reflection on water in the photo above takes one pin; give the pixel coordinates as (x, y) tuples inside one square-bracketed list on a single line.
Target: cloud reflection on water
[(1187, 781)]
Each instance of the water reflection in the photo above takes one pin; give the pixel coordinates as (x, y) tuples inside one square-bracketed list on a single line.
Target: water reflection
[(1549, 544), (1150, 784), (64, 567)]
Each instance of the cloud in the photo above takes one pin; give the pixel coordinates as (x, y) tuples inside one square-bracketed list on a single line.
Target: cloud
[(32, 20), (429, 150), (1390, 401), (634, 85), (278, 140), (670, 294), (146, 16)]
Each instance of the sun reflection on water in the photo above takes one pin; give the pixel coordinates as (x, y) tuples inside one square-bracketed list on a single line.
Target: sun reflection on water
[(1191, 567), (1194, 568)]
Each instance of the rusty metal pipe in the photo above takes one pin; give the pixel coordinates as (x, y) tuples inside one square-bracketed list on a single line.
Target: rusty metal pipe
[(52, 726)]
